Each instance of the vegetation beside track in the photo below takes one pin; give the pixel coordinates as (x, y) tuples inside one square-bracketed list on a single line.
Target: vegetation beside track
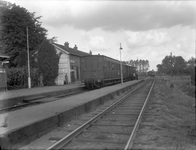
[(169, 122), (187, 89)]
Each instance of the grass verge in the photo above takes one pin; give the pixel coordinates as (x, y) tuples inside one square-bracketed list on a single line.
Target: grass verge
[(169, 122)]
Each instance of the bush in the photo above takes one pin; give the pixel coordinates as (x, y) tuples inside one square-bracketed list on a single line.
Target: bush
[(18, 77)]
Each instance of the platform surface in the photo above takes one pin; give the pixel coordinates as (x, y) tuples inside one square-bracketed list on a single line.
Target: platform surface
[(37, 90)]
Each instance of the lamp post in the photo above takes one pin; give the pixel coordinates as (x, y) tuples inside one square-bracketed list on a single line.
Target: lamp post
[(195, 99), (121, 74), (28, 61)]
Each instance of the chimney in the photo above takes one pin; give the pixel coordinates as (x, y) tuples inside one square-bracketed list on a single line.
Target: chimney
[(75, 47), (90, 52), (66, 44)]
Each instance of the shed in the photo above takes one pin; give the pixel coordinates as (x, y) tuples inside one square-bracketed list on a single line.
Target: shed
[(3, 75)]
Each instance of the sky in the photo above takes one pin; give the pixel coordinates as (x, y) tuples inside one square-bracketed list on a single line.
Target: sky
[(147, 30)]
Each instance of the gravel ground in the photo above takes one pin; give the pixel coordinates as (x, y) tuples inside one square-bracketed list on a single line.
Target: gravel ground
[(169, 121)]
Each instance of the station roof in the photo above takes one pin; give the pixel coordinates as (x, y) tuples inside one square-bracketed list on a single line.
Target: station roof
[(71, 50)]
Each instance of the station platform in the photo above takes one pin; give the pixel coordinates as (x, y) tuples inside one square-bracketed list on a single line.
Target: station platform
[(10, 98), (19, 127), (37, 90)]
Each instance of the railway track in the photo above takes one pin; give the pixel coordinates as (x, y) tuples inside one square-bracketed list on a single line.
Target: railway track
[(114, 127)]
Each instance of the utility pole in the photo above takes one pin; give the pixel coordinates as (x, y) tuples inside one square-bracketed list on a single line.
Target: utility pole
[(195, 99), (171, 66), (28, 61), (121, 69)]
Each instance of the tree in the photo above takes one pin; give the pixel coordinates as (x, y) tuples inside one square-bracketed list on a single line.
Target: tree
[(179, 65), (191, 66), (47, 62), (15, 21), (159, 68), (137, 65), (166, 64), (141, 65), (191, 63), (3, 6), (146, 65), (131, 62)]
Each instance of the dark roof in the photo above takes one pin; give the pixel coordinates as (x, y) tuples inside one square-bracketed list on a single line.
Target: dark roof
[(3, 57), (71, 50)]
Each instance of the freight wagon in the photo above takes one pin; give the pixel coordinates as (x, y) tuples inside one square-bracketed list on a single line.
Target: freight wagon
[(151, 73), (99, 70)]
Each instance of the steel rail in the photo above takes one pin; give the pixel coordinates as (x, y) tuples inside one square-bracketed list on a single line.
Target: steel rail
[(80, 129), (133, 133)]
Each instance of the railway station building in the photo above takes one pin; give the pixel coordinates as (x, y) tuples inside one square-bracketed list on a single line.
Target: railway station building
[(69, 63)]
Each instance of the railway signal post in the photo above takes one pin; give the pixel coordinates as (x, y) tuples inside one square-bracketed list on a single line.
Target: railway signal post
[(121, 74)]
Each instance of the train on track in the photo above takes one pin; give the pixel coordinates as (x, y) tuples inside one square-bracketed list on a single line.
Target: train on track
[(151, 73), (98, 71)]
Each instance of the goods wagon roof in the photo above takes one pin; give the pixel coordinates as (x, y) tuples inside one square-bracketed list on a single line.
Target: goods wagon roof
[(72, 51), (109, 58)]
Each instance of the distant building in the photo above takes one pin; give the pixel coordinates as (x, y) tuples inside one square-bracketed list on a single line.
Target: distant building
[(69, 63), (3, 76)]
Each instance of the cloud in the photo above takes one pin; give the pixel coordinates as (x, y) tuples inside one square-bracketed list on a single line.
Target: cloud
[(185, 47), (113, 15), (135, 40), (117, 15), (95, 43)]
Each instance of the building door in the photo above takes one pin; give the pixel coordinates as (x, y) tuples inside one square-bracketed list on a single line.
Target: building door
[(77, 73), (72, 76)]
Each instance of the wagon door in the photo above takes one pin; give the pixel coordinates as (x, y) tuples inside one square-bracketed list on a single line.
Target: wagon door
[(94, 67), (100, 67), (89, 67), (97, 67), (86, 72)]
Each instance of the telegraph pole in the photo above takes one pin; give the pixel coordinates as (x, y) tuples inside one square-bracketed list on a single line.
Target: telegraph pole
[(121, 69), (171, 66), (28, 61), (195, 99)]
